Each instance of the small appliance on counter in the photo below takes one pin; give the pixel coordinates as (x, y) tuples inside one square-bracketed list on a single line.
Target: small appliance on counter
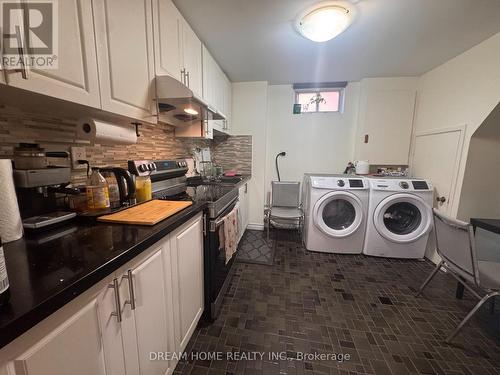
[(362, 167), (37, 192)]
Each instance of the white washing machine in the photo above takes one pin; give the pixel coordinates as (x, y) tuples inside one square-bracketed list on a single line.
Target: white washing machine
[(335, 208), (400, 217)]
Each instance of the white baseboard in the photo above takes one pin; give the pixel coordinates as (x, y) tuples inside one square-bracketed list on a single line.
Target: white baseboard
[(255, 226)]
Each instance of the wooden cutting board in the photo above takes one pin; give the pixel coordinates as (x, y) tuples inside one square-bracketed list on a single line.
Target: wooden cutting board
[(149, 213)]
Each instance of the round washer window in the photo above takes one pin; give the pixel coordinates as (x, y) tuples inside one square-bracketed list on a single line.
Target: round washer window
[(339, 214), (402, 218)]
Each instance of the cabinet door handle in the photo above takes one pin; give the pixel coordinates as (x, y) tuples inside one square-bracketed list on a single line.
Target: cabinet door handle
[(118, 312), (188, 81), (131, 290), (207, 131), (20, 48), (246, 188), (183, 75), (204, 223)]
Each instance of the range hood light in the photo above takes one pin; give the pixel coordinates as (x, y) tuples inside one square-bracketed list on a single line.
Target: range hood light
[(191, 111)]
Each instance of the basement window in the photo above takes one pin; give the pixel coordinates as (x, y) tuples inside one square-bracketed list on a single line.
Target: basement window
[(320, 97)]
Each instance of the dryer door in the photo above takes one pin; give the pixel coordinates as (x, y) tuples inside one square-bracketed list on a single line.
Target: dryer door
[(403, 218), (338, 214)]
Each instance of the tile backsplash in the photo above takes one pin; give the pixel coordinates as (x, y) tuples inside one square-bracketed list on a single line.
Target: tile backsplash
[(155, 142)]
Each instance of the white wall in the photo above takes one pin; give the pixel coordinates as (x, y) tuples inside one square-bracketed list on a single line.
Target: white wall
[(463, 91), (249, 117), (386, 113), (480, 195), (314, 142)]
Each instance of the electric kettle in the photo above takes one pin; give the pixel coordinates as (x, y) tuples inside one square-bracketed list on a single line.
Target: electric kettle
[(120, 181), (362, 167)]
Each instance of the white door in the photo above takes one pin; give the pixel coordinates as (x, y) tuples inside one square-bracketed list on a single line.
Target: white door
[(436, 156), (73, 348), (187, 272), (167, 24), (153, 323), (192, 59), (125, 56), (76, 78), (338, 214)]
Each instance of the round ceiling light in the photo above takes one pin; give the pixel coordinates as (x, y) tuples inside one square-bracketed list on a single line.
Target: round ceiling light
[(324, 21)]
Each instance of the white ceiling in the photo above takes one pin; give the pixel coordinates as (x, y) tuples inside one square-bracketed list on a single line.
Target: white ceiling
[(255, 40)]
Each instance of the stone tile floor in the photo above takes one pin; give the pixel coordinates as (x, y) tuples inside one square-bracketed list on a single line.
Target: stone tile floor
[(351, 304)]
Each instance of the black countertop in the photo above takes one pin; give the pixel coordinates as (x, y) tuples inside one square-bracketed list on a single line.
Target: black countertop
[(47, 273), (492, 225)]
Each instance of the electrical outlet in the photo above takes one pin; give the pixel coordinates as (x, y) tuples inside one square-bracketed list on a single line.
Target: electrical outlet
[(78, 153)]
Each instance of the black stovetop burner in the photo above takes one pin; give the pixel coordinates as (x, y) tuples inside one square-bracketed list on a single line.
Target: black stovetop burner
[(199, 193)]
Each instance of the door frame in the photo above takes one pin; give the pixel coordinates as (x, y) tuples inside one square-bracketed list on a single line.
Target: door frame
[(462, 129)]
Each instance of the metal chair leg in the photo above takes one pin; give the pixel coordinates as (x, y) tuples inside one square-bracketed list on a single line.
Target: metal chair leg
[(429, 278), (470, 314)]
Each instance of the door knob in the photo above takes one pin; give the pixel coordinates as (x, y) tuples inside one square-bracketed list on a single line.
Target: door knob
[(441, 199)]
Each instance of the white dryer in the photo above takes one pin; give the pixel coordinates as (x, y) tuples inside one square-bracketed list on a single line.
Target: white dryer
[(400, 217), (335, 208)]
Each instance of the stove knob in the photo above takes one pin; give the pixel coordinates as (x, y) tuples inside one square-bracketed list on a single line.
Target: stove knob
[(142, 168), (340, 183), (404, 185), (152, 166)]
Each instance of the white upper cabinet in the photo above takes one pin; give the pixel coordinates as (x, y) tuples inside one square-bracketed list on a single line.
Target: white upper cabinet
[(217, 90), (167, 25), (76, 78), (72, 348), (125, 57), (177, 48), (192, 60), (385, 122)]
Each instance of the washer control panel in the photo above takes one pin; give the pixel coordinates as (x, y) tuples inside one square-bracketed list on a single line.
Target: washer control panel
[(338, 183)]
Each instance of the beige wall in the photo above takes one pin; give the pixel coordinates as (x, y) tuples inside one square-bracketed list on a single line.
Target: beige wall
[(314, 142), (480, 195), (463, 91), (250, 118)]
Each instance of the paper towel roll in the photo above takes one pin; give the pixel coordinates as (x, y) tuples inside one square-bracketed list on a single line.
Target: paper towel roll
[(11, 226), (105, 133)]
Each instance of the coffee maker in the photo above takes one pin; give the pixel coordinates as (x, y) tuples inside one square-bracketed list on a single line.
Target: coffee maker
[(41, 195)]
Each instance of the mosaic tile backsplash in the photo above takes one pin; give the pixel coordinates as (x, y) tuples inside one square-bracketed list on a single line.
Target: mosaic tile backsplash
[(155, 142)]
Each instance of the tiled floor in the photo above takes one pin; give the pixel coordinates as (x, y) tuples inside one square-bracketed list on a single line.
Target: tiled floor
[(352, 304)]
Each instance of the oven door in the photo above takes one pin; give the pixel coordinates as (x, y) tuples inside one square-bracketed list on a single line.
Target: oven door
[(218, 273)]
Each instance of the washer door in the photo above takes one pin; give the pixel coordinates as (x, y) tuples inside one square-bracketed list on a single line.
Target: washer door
[(338, 214), (403, 218)]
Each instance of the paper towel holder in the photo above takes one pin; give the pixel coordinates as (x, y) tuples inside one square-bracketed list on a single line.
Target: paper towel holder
[(137, 124)]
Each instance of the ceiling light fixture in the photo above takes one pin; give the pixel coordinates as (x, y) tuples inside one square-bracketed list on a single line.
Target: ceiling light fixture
[(325, 20), (191, 111)]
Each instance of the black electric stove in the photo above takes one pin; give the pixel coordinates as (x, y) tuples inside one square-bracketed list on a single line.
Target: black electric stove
[(170, 183)]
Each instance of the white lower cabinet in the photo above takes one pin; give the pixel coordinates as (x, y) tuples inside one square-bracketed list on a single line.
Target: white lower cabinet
[(148, 307), (244, 207), (186, 247), (73, 348)]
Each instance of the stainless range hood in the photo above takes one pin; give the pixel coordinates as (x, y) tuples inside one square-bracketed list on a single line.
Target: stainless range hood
[(179, 106)]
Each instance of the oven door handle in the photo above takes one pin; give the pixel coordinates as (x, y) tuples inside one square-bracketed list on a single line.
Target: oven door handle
[(214, 224)]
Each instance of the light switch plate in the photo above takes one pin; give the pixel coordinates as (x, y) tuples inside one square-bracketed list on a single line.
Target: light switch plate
[(78, 153)]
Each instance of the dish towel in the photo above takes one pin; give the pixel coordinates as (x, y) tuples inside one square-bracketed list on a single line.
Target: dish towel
[(231, 233)]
